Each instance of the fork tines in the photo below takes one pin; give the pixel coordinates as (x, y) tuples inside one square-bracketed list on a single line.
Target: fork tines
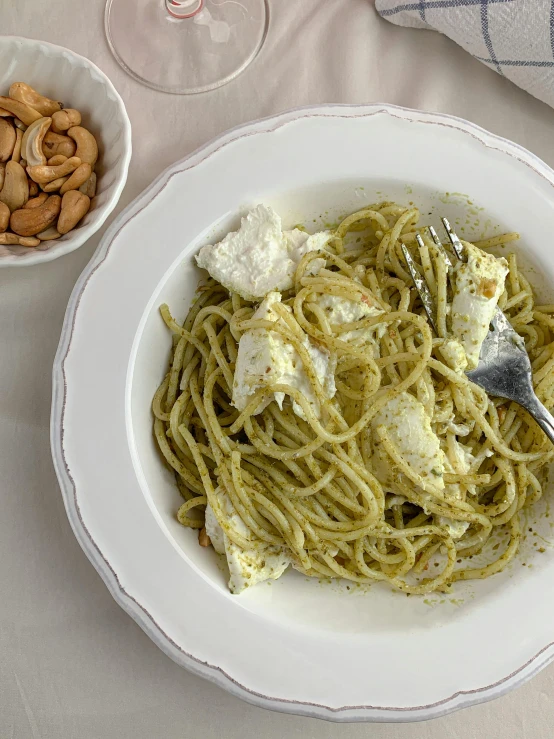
[(419, 280), (440, 247), (420, 285), (454, 240)]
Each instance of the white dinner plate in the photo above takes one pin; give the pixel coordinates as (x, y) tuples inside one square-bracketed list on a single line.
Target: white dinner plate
[(319, 649)]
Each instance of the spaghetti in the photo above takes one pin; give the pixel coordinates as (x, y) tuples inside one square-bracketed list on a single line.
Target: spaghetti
[(311, 484)]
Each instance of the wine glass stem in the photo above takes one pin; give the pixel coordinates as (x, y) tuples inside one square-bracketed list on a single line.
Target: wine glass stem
[(183, 9)]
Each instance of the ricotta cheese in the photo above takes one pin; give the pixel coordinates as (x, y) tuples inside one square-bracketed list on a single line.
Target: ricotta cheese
[(479, 283), (409, 429), (341, 310), (260, 256), (265, 359), (247, 567)]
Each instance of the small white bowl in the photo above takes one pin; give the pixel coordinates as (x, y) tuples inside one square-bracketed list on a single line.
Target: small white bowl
[(63, 75)]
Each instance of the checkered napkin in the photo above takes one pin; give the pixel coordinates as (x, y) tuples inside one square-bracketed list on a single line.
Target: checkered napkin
[(513, 37)]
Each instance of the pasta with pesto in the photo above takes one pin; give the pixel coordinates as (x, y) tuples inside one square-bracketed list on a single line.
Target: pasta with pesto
[(314, 419)]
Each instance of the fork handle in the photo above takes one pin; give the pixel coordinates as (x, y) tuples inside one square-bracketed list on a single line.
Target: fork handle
[(541, 415)]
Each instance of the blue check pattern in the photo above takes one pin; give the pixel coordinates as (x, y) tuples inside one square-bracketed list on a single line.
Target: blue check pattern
[(513, 37)]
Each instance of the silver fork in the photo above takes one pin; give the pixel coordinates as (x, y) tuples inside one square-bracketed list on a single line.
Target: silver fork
[(504, 368)]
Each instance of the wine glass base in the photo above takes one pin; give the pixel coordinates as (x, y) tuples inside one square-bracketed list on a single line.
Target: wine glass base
[(185, 55)]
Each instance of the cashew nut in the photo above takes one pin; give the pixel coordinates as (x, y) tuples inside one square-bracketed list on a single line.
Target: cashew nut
[(55, 185), (43, 147), (65, 119), (15, 192), (26, 114), (78, 178), (26, 94), (35, 202), (31, 147), (89, 187), (87, 148), (31, 221), (44, 173), (49, 234), (74, 206), (203, 538), (14, 239), (8, 238), (55, 143), (58, 159), (16, 153), (4, 217), (7, 139)]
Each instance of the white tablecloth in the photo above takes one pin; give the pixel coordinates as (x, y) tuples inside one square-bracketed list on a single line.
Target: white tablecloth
[(72, 664)]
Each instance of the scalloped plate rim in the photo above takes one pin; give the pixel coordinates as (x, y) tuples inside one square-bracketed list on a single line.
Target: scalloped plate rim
[(213, 673)]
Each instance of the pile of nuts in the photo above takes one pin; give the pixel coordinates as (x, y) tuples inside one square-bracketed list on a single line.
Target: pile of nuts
[(47, 159)]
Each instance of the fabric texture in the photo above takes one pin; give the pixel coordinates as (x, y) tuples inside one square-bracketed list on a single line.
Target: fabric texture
[(513, 37)]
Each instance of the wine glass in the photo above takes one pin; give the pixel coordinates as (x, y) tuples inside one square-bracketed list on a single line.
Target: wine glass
[(185, 46)]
